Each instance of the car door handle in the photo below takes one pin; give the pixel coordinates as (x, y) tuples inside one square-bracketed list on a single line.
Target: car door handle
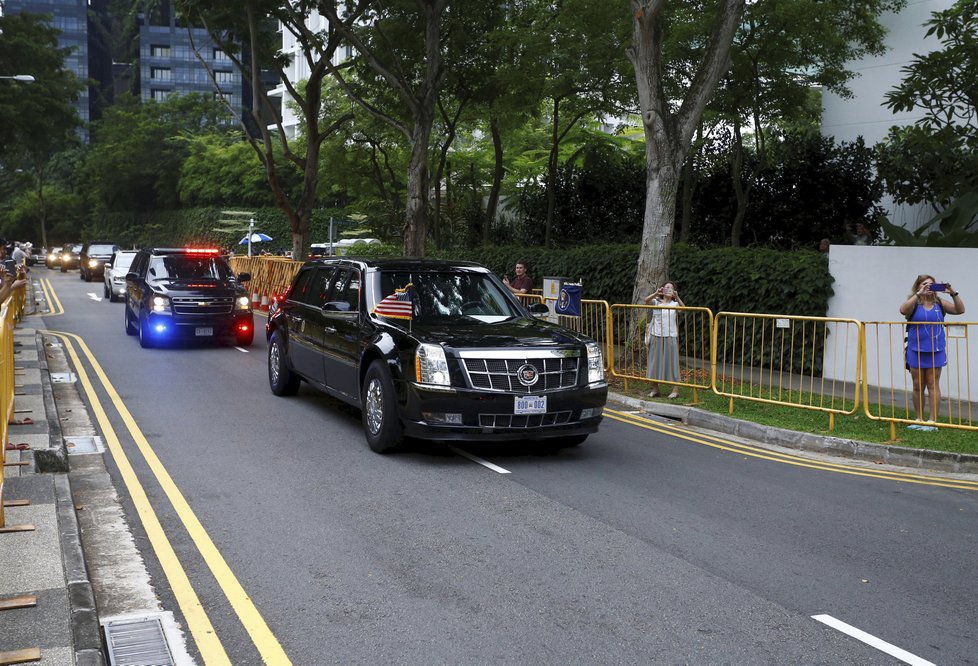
[(329, 330)]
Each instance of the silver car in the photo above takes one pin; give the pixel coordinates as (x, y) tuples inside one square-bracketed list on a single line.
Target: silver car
[(115, 274)]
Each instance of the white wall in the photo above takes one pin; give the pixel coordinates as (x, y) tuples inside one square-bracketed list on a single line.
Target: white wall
[(864, 114), (870, 284)]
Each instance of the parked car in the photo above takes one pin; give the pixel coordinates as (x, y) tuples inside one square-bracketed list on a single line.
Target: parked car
[(53, 257), (70, 255), (114, 277), (36, 255), (93, 257), (434, 350), (186, 294)]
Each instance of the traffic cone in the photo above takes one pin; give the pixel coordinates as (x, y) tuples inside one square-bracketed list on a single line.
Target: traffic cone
[(254, 300), (264, 302)]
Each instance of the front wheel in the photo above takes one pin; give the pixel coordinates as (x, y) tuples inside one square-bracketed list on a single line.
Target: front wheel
[(281, 379), (380, 422), (145, 341), (130, 324)]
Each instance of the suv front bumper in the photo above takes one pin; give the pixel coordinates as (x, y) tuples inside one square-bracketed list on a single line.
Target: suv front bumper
[(166, 326)]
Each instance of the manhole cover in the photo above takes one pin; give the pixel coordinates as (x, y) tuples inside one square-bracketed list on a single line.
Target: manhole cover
[(63, 377), (84, 444)]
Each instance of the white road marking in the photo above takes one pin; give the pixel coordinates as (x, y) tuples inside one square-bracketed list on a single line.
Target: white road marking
[(242, 349), (92, 296), (476, 459), (872, 641)]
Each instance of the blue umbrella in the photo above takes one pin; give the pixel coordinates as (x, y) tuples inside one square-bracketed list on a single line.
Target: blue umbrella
[(255, 238)]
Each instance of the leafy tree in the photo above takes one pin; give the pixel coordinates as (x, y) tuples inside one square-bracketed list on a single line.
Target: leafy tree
[(670, 121), (936, 160), (221, 170), (248, 33), (36, 119), (138, 148)]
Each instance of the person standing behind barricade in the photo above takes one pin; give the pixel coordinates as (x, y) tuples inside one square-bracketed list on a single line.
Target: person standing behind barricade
[(522, 283), (662, 338), (926, 353)]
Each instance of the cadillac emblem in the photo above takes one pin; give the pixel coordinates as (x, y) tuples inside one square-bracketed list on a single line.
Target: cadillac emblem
[(527, 375)]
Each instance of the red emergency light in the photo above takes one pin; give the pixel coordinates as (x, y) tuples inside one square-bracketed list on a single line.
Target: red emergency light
[(201, 250)]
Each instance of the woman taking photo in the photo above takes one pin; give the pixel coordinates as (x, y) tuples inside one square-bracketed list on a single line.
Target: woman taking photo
[(661, 337), (926, 351)]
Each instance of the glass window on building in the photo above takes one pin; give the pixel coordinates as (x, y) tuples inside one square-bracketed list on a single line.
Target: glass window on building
[(159, 51), (223, 76), (161, 73), (159, 95), (220, 55)]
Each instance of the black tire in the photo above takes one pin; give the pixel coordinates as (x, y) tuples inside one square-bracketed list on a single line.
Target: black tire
[(63, 269), (381, 424), (106, 293), (81, 274), (281, 379), (144, 339), (130, 328)]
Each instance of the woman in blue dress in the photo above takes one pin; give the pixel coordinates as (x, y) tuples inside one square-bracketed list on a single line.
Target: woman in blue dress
[(926, 350)]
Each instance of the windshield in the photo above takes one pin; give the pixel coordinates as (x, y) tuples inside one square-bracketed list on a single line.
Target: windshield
[(178, 266), (446, 298), (122, 262), (101, 249)]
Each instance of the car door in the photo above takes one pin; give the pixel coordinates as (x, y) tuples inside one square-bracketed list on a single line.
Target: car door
[(342, 312), (135, 288), (306, 321)]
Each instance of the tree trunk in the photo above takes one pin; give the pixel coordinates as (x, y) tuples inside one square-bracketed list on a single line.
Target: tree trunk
[(552, 173), (741, 191), (497, 178), (417, 188)]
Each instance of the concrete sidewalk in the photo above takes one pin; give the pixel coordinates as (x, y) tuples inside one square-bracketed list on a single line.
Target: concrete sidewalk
[(42, 557)]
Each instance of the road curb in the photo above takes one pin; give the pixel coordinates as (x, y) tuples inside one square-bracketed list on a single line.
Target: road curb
[(925, 459), (55, 457)]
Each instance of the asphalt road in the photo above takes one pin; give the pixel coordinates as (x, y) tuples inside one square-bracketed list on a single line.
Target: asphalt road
[(643, 545)]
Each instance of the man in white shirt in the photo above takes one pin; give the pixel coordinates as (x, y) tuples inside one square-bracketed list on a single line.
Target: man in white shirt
[(19, 256)]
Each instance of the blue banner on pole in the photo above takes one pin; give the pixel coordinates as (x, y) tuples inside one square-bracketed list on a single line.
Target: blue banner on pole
[(569, 301)]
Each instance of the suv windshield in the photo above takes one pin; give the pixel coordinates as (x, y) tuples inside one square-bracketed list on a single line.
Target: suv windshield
[(177, 266), (101, 249), (444, 298)]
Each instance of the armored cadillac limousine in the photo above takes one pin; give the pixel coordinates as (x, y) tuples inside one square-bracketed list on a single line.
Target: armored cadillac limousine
[(434, 350)]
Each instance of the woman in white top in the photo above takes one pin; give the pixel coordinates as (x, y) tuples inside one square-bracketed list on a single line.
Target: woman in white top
[(661, 336)]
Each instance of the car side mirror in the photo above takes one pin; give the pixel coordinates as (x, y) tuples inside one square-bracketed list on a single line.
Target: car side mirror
[(132, 275), (244, 277), (336, 306), (538, 308)]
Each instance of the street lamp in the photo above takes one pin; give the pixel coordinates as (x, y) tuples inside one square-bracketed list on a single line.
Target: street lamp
[(23, 78)]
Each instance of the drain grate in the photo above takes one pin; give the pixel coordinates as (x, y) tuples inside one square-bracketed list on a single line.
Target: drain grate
[(137, 641), (85, 444)]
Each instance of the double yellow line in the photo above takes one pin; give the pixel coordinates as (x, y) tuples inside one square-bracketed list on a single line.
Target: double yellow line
[(785, 458), (54, 303), (209, 644)]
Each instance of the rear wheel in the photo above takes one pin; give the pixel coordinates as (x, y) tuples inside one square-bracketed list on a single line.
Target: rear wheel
[(380, 422), (130, 324), (281, 379), (144, 336)]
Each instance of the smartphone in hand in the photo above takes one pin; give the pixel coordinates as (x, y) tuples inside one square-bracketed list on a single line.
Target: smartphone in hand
[(937, 286)]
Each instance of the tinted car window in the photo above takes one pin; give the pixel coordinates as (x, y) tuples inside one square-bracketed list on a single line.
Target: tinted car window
[(175, 267), (300, 289), (441, 298), (319, 287), (346, 288)]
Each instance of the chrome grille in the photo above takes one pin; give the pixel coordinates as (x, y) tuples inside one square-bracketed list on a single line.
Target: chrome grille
[(500, 374), (203, 305), (524, 420)]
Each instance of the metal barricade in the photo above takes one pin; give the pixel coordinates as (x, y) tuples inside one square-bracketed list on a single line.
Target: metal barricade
[(889, 393), (594, 322), (806, 362), (6, 385), (630, 354), (529, 299)]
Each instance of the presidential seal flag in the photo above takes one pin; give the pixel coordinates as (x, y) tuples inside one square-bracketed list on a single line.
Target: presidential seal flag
[(398, 305)]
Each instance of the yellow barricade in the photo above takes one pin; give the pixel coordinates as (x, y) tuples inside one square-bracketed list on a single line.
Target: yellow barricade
[(629, 352), (529, 299), (6, 384), (807, 362), (889, 393), (594, 322), (270, 276)]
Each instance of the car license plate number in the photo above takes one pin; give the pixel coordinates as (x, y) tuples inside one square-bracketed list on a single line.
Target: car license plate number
[(204, 331), (530, 404)]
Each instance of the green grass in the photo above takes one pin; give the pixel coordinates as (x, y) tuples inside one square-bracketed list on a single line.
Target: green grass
[(857, 426)]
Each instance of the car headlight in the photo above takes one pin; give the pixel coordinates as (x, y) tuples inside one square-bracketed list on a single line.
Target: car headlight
[(93, 263), (52, 256), (430, 366), (160, 303), (242, 303), (118, 279), (595, 363)]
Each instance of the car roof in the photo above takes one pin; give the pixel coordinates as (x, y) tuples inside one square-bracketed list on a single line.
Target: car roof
[(399, 263)]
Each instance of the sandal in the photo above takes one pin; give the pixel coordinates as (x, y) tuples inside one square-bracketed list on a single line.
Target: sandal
[(674, 395), (23, 446), (653, 394)]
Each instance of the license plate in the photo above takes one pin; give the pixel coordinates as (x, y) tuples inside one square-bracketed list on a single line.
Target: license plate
[(204, 331), (530, 404)]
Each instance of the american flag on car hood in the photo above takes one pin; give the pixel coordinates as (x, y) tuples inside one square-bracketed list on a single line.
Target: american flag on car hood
[(398, 305)]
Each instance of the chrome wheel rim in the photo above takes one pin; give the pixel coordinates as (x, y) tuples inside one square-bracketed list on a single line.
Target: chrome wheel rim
[(274, 358), (374, 407)]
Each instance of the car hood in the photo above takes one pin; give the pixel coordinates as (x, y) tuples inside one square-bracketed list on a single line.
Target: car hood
[(507, 334), (195, 286)]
